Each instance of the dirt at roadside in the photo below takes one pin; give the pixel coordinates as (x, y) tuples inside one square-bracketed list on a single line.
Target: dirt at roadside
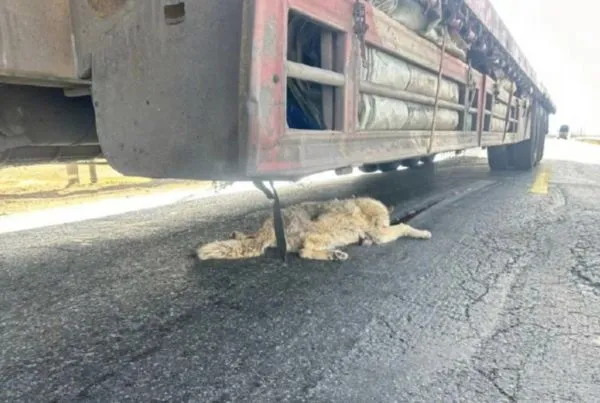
[(591, 141), (30, 188)]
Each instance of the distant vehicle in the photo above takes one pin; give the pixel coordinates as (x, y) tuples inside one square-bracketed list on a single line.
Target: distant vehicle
[(563, 132)]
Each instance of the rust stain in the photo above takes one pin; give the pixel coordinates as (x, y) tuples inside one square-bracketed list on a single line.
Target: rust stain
[(36, 37), (106, 8)]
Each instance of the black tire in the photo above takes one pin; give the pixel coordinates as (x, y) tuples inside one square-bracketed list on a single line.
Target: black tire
[(525, 154), (428, 160), (410, 162), (498, 158), (368, 168), (389, 166), (541, 143)]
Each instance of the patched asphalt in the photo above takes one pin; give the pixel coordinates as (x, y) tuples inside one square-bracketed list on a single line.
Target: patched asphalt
[(502, 304)]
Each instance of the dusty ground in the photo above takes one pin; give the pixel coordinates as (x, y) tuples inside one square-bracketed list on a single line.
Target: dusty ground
[(30, 188), (590, 141)]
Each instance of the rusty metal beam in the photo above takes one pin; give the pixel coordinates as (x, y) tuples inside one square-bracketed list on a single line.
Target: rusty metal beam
[(23, 77), (321, 76), (36, 40)]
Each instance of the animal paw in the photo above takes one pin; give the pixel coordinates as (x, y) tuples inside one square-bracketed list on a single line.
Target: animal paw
[(365, 242), (339, 255), (425, 234)]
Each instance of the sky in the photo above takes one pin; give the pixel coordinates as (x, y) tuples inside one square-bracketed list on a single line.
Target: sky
[(558, 39)]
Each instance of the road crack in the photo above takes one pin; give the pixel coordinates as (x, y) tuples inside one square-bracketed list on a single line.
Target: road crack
[(581, 269), (85, 391), (491, 377)]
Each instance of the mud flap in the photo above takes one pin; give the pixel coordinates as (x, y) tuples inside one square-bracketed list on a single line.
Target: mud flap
[(166, 89)]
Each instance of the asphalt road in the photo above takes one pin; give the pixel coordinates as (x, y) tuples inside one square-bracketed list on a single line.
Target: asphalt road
[(502, 304)]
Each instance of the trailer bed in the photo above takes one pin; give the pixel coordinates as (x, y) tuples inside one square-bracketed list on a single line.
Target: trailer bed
[(283, 88)]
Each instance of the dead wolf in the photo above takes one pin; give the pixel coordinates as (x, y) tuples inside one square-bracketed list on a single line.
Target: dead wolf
[(315, 230)]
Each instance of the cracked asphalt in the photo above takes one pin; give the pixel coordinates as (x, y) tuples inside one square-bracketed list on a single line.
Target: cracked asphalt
[(501, 305)]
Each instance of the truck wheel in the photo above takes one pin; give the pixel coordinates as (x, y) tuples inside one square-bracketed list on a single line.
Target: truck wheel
[(389, 166), (368, 168), (498, 158), (411, 162), (542, 143), (525, 154), (343, 171), (428, 159)]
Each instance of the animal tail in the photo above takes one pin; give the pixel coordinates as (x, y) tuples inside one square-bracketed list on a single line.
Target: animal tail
[(230, 249)]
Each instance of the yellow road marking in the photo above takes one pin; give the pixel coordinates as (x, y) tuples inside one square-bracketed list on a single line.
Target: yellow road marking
[(540, 185)]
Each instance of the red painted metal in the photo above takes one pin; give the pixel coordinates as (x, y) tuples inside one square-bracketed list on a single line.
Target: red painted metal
[(275, 151), (267, 91), (336, 14)]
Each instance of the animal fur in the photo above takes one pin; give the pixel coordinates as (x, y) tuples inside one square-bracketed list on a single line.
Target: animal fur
[(315, 230)]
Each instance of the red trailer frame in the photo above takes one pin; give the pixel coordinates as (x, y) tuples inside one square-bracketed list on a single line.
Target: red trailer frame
[(273, 148), (193, 90)]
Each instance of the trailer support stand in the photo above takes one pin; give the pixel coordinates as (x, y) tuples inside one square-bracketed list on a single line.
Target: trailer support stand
[(277, 217)]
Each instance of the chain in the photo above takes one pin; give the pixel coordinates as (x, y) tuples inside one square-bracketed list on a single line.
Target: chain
[(360, 28), (496, 91)]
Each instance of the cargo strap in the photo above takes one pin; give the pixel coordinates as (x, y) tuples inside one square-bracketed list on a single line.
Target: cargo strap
[(470, 93), (277, 217), (529, 107), (437, 91), (359, 16), (508, 106)]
